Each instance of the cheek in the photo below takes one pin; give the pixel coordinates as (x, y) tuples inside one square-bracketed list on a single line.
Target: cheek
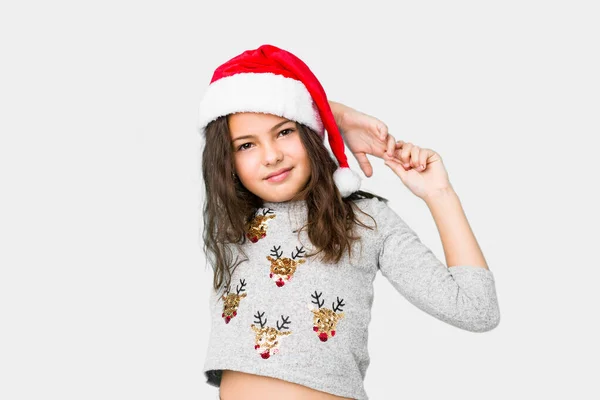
[(299, 154), (246, 166), (304, 161)]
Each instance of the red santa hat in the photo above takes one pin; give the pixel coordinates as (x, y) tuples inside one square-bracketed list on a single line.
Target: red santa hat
[(274, 81)]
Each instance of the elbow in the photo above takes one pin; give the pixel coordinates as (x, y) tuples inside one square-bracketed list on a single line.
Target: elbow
[(485, 325), (477, 307), (484, 320)]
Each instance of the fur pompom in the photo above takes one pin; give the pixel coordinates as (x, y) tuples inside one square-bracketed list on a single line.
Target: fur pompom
[(347, 181)]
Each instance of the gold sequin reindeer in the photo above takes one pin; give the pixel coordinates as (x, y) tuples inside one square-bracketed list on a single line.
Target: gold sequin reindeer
[(231, 301), (324, 319), (268, 339), (282, 269), (256, 229)]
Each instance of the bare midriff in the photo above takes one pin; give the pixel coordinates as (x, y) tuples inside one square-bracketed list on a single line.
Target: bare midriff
[(242, 386)]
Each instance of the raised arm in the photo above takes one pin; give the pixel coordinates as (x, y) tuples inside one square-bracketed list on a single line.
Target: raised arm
[(363, 134), (463, 296), (458, 240)]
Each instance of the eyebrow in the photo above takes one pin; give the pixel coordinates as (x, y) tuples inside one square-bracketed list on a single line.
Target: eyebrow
[(271, 130)]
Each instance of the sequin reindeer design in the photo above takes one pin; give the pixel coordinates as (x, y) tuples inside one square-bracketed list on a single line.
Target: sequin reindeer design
[(231, 301), (324, 319), (282, 269), (256, 229), (268, 339)]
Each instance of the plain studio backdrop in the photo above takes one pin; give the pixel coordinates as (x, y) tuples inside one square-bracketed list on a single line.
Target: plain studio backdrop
[(104, 285)]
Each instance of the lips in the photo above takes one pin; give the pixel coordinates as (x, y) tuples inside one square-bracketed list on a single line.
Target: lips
[(281, 171)]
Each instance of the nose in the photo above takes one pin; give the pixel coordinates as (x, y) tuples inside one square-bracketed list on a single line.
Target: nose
[(272, 154)]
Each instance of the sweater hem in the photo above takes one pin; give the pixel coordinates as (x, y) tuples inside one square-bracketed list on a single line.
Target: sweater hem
[(213, 370)]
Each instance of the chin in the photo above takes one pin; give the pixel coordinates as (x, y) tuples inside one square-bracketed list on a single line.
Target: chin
[(279, 199), (286, 192)]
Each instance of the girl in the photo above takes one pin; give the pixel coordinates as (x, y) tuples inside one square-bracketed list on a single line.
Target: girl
[(295, 245)]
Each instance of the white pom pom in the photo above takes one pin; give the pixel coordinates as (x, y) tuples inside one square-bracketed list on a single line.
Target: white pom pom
[(347, 181)]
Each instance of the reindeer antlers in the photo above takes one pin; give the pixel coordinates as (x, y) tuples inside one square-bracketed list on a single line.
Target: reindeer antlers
[(316, 297), (259, 316), (338, 307), (299, 252), (239, 290), (275, 251), (335, 307), (285, 321)]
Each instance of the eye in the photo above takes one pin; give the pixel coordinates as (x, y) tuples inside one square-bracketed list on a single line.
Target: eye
[(242, 148), (286, 131)]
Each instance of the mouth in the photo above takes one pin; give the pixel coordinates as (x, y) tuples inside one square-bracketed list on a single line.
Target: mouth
[(278, 175)]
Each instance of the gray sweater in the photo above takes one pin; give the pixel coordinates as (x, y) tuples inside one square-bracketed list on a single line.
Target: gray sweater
[(292, 317)]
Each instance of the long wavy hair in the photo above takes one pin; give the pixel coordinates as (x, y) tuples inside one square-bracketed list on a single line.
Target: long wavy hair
[(229, 206)]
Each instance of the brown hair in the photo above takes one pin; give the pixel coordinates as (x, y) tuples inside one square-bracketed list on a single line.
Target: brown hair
[(228, 205)]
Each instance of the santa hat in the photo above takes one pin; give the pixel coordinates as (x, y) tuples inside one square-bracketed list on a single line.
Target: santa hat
[(274, 81)]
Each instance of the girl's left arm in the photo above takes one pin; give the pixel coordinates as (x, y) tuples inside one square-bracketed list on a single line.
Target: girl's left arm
[(423, 172), (365, 134), (463, 295), (458, 240)]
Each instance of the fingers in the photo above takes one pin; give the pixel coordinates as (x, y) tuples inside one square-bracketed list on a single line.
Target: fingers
[(415, 158), (405, 154), (395, 166), (383, 130), (423, 156), (364, 164), (411, 156), (391, 145)]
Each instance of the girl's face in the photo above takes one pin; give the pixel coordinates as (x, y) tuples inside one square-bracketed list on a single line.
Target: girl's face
[(265, 145)]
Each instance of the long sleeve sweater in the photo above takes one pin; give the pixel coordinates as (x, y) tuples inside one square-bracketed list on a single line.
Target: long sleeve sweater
[(289, 316)]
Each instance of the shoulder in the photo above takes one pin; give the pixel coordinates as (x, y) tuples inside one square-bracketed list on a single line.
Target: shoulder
[(386, 218), (373, 206)]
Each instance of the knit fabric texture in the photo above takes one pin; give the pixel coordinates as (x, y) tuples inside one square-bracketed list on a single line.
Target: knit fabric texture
[(290, 316)]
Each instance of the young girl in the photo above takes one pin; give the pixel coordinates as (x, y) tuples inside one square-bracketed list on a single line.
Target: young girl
[(295, 245)]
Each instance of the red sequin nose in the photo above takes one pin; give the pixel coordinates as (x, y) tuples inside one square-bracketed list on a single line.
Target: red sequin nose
[(323, 337)]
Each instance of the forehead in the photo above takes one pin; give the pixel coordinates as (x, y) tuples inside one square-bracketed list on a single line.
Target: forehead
[(253, 123)]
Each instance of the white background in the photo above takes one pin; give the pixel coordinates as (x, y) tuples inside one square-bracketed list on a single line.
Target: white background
[(103, 285)]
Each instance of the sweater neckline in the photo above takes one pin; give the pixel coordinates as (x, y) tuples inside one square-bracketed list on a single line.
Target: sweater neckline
[(286, 206)]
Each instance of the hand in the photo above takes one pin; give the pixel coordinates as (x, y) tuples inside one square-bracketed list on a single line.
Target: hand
[(421, 170), (363, 134)]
